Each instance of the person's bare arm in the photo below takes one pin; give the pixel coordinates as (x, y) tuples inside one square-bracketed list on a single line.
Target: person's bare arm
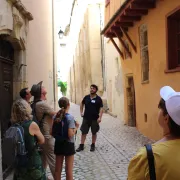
[(100, 115), (81, 108), (72, 132), (35, 131)]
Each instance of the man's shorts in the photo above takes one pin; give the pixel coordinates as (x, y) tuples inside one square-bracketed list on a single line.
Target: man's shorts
[(86, 124)]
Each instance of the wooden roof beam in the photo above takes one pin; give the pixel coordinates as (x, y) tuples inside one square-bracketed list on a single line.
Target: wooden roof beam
[(116, 29), (124, 24), (129, 39), (129, 18), (117, 48), (135, 12), (123, 44), (109, 34), (142, 5)]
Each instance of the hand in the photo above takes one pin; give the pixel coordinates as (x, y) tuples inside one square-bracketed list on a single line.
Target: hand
[(77, 124), (99, 120), (82, 114)]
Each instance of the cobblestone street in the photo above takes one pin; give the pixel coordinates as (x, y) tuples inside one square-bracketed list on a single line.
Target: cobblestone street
[(116, 145)]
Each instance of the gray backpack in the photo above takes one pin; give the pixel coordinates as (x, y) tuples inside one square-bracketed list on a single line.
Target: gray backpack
[(13, 147)]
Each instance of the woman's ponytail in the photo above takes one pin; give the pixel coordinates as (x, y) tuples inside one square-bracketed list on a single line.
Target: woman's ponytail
[(63, 104)]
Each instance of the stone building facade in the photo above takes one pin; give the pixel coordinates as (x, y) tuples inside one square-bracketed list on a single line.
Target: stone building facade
[(14, 27), (27, 54), (87, 62)]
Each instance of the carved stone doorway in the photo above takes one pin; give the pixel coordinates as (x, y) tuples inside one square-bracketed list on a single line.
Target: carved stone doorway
[(131, 103), (6, 88)]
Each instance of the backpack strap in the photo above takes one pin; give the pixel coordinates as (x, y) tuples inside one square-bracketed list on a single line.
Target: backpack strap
[(151, 164), (64, 120)]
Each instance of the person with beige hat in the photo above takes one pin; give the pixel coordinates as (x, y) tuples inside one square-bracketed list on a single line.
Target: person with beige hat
[(43, 114), (161, 160)]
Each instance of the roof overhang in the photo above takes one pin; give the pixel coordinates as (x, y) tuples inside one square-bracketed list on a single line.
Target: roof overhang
[(125, 17)]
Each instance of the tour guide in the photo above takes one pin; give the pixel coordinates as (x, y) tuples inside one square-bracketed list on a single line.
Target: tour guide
[(91, 117)]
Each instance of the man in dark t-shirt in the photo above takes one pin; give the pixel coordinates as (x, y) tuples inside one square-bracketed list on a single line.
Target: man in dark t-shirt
[(91, 117)]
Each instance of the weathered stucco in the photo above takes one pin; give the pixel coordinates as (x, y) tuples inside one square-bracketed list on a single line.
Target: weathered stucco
[(114, 92), (86, 68)]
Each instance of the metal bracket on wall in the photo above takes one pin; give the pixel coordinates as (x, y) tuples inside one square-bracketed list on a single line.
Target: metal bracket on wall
[(19, 67)]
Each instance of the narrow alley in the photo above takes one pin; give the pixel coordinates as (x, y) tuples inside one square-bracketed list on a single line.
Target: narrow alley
[(116, 145)]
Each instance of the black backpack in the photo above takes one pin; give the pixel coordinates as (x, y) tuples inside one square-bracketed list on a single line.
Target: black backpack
[(13, 147), (60, 129)]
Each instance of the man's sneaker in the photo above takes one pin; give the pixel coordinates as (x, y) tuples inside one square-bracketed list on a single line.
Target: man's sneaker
[(80, 148), (92, 148)]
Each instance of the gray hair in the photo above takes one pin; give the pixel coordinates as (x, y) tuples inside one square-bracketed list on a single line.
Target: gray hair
[(21, 111)]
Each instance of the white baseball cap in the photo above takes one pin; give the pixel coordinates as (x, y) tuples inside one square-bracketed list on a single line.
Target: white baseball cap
[(172, 102)]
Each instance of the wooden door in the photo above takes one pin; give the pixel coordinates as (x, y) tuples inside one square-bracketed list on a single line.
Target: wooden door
[(131, 102), (6, 88)]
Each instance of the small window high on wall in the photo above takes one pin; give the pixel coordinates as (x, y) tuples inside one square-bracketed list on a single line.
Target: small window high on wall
[(143, 32), (173, 33)]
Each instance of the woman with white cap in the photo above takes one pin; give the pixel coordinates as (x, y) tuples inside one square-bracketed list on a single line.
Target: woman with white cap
[(161, 161)]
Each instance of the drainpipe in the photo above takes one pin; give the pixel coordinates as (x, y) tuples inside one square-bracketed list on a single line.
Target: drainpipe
[(54, 60)]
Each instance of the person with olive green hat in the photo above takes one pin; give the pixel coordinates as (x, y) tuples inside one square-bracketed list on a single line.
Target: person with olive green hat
[(43, 114)]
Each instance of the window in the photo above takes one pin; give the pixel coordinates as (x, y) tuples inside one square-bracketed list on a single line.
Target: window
[(107, 2), (144, 52), (126, 55), (173, 30)]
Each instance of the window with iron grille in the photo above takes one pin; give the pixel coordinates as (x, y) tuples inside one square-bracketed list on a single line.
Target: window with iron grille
[(173, 32), (144, 52)]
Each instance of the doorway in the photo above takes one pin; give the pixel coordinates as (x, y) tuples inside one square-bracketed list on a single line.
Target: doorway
[(6, 88), (131, 103)]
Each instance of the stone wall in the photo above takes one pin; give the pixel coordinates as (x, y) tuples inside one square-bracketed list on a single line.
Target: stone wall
[(14, 26), (86, 68)]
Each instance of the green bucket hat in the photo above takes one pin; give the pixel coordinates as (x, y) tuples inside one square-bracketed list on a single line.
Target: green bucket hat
[(36, 90)]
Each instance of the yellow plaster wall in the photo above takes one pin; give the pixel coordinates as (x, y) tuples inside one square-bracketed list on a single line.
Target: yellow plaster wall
[(111, 9), (147, 95)]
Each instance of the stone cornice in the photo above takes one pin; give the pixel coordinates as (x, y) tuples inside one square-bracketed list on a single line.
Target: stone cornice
[(18, 4)]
